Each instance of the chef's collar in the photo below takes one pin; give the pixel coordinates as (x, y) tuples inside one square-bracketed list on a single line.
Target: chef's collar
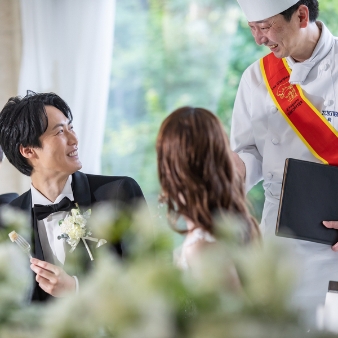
[(300, 70)]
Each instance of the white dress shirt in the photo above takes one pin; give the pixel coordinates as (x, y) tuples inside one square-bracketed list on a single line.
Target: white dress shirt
[(49, 229)]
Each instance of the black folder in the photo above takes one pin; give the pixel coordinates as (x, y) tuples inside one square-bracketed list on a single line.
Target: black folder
[(309, 196)]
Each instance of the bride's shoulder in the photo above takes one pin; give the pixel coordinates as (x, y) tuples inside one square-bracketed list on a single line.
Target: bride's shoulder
[(196, 242), (198, 236)]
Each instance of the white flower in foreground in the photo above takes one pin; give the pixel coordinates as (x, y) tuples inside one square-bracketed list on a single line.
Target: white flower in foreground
[(73, 227)]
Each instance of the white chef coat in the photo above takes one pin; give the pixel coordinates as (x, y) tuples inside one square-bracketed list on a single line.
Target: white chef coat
[(263, 139)]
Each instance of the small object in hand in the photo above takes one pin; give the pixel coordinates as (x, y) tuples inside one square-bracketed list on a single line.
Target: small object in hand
[(21, 242), (13, 236)]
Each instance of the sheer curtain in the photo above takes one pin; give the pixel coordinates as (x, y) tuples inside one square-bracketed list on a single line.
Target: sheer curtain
[(67, 49)]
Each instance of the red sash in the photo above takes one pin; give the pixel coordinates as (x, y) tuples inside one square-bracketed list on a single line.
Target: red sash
[(308, 123)]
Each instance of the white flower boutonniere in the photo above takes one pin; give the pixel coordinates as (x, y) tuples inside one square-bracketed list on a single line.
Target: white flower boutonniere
[(74, 228)]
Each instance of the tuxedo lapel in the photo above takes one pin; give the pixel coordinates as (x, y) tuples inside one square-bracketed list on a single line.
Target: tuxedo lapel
[(24, 202), (37, 250), (82, 196), (81, 190)]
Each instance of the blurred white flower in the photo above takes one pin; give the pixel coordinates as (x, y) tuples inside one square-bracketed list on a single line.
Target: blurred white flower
[(73, 227)]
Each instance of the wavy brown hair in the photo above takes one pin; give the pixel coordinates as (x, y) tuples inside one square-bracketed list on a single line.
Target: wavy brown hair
[(196, 170)]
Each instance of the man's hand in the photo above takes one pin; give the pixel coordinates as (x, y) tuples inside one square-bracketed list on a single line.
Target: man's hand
[(332, 225), (52, 279), (239, 164)]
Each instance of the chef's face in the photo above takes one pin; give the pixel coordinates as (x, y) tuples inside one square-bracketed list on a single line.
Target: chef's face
[(283, 38)]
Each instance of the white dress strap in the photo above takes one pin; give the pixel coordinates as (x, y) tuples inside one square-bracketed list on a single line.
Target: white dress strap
[(196, 235)]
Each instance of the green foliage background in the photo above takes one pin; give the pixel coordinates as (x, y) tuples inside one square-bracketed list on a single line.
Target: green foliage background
[(171, 53)]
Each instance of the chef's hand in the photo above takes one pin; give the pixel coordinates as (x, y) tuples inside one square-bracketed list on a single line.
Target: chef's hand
[(332, 225), (239, 164), (52, 279)]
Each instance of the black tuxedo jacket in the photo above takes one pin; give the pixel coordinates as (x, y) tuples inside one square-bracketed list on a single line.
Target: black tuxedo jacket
[(7, 198), (121, 191)]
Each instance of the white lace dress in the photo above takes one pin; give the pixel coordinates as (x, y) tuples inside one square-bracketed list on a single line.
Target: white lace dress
[(192, 237)]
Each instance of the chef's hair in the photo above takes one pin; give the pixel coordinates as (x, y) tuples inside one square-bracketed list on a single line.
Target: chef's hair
[(312, 5)]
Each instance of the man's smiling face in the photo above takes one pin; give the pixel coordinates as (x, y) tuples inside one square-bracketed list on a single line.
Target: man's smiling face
[(279, 35), (59, 151)]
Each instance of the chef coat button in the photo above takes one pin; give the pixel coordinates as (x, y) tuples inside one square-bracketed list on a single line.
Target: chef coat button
[(328, 103), (273, 109), (269, 176), (275, 141)]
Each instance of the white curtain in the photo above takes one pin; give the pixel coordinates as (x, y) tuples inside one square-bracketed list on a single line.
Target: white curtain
[(67, 49)]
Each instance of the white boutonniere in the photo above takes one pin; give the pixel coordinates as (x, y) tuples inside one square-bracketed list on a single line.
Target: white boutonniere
[(74, 228)]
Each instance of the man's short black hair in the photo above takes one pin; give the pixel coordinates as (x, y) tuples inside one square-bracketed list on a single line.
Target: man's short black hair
[(23, 121), (1, 155), (312, 5)]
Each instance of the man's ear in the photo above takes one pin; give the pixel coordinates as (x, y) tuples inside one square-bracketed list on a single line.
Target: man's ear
[(27, 152), (303, 16)]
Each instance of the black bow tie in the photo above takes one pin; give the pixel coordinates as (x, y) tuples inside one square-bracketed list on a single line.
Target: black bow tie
[(43, 211)]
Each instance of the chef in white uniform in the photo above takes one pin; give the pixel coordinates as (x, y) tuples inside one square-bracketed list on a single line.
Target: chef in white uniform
[(262, 137)]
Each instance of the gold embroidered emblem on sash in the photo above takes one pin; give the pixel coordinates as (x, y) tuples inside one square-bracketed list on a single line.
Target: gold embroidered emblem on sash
[(287, 91)]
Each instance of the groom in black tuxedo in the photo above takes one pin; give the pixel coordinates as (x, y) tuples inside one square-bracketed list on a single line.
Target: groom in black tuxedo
[(37, 136)]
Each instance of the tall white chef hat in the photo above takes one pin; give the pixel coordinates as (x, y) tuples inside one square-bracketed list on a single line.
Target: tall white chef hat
[(256, 10)]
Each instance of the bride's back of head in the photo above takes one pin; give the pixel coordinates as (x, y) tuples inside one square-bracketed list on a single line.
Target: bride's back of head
[(196, 170)]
